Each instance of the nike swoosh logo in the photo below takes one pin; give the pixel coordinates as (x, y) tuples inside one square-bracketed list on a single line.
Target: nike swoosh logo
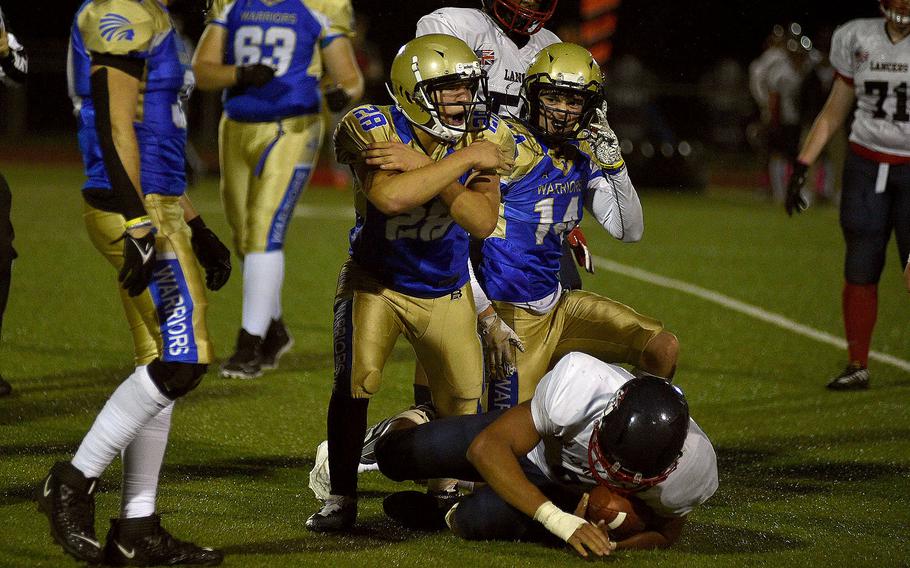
[(128, 553), (145, 254), (94, 543), (47, 488)]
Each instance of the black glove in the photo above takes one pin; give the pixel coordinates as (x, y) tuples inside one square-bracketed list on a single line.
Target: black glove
[(794, 201), (336, 98), (138, 262), (255, 75), (214, 257)]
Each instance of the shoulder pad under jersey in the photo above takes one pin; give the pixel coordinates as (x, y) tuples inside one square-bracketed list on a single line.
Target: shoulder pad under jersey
[(498, 132), (339, 13), (360, 127), (119, 27)]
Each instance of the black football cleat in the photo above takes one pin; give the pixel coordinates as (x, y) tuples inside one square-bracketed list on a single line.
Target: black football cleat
[(277, 342), (5, 387), (67, 497), (246, 362), (144, 542), (854, 377), (420, 511), (338, 513)]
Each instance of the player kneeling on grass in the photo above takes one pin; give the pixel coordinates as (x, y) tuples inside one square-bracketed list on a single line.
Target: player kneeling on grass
[(589, 424)]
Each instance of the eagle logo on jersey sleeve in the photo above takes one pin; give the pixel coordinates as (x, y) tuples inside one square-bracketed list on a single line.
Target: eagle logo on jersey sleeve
[(117, 27), (358, 129)]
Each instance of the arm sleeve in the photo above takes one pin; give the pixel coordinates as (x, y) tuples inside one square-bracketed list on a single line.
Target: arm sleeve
[(119, 36), (481, 302), (613, 201)]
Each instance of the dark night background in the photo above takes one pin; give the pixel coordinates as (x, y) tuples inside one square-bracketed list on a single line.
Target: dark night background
[(676, 40)]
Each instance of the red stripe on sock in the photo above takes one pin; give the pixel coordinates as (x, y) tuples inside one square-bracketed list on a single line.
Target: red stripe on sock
[(860, 304)]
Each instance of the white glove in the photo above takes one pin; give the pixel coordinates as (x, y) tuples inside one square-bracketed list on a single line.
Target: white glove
[(604, 141), (499, 340)]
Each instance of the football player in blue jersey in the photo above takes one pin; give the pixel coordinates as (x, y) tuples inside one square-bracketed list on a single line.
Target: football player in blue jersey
[(13, 66), (566, 161), (268, 57), (126, 81), (408, 270)]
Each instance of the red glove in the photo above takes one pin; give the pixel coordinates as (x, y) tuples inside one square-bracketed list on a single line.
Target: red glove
[(579, 246)]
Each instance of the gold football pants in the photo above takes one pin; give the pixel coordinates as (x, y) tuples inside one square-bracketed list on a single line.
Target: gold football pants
[(265, 167), (443, 331), (168, 318), (581, 321)]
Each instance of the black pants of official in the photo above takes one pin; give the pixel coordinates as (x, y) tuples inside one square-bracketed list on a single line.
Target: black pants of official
[(7, 253)]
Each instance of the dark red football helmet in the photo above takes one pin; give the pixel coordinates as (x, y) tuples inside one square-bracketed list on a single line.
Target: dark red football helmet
[(523, 17), (898, 11)]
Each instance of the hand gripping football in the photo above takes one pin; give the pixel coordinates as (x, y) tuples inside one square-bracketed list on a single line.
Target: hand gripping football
[(623, 517)]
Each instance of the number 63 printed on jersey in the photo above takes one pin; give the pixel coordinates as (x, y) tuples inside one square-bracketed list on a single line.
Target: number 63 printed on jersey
[(251, 41)]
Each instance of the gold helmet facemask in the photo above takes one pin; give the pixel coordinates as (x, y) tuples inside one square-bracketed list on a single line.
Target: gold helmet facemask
[(424, 68), (561, 71)]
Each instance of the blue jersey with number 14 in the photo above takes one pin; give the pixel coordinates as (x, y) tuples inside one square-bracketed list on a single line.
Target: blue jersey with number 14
[(422, 252), (284, 35)]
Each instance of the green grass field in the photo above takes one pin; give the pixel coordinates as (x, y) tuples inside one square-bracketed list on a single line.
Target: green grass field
[(807, 477)]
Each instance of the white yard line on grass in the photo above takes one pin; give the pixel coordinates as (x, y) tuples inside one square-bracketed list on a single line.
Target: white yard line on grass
[(741, 307)]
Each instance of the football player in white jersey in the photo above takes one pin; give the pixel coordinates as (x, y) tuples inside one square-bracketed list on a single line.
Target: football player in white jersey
[(588, 423), (872, 59)]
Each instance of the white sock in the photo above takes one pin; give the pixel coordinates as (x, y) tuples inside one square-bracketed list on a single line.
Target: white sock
[(263, 276), (136, 401), (142, 464)]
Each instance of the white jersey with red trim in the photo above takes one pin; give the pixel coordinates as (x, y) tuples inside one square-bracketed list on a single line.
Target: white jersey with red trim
[(566, 404), (862, 52), (504, 62)]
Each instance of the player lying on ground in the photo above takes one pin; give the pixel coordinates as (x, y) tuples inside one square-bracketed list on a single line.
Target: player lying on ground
[(588, 423)]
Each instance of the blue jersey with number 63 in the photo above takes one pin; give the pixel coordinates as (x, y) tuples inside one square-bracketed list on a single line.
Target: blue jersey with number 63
[(286, 36), (422, 252)]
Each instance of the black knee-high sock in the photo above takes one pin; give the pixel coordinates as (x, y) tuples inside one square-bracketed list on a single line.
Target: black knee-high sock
[(347, 425)]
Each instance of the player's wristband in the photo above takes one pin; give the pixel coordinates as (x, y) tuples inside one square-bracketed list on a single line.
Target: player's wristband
[(196, 223), (557, 521), (143, 222)]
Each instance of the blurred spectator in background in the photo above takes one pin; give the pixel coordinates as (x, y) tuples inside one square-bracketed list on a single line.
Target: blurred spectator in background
[(813, 94), (13, 68), (724, 92), (872, 62), (783, 82), (757, 133), (269, 58)]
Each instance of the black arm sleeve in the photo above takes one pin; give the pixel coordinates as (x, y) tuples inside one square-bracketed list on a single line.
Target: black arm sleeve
[(127, 199)]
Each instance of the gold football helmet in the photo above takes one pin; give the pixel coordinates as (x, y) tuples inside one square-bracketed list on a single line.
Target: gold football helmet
[(565, 72), (427, 75)]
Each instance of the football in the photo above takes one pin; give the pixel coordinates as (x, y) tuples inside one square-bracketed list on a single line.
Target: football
[(623, 516)]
